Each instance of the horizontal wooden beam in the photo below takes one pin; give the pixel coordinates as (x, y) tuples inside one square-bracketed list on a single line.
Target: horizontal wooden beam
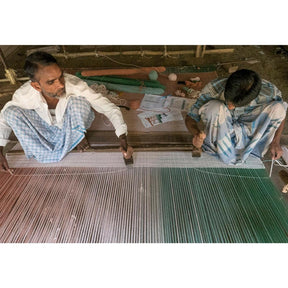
[(217, 51), (141, 140)]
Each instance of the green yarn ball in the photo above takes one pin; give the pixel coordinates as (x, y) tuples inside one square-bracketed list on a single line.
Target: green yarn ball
[(153, 75)]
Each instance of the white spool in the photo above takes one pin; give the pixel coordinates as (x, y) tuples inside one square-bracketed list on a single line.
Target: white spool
[(172, 77)]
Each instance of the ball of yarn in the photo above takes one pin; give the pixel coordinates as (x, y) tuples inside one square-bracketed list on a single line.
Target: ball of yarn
[(172, 77), (153, 75)]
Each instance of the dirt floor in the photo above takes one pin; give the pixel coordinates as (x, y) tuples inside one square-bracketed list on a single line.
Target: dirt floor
[(271, 62)]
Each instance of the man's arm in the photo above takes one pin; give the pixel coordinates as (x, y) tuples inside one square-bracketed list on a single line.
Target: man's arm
[(197, 134), (99, 103), (3, 162), (275, 148), (126, 150)]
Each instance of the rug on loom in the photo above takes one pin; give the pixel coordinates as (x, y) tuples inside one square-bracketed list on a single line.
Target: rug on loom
[(164, 198)]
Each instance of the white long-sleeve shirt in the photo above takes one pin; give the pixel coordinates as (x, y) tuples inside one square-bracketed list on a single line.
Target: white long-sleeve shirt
[(29, 98)]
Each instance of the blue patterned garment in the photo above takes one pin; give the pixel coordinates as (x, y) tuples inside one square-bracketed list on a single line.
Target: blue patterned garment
[(48, 143), (235, 134)]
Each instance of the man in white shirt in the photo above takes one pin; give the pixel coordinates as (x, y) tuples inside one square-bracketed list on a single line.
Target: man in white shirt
[(50, 113)]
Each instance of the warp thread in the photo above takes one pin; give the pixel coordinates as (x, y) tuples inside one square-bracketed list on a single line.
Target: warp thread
[(125, 170), (70, 174)]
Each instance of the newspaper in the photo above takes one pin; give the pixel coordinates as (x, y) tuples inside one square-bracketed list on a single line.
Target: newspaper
[(150, 118), (161, 109)]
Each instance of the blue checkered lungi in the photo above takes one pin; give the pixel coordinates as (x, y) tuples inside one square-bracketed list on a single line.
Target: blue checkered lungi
[(49, 143)]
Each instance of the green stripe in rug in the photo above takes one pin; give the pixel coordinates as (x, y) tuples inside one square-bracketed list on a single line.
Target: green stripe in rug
[(220, 205)]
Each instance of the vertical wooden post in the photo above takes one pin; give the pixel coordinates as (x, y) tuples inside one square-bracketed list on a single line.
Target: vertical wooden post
[(203, 51), (198, 51), (9, 73), (3, 59)]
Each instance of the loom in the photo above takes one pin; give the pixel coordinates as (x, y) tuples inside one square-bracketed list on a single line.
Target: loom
[(165, 198)]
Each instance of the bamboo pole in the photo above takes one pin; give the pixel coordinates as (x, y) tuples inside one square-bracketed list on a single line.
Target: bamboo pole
[(9, 73), (203, 51), (199, 51), (216, 51), (3, 59), (18, 79)]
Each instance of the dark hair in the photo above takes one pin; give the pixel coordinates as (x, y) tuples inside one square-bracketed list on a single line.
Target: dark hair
[(35, 60), (242, 87)]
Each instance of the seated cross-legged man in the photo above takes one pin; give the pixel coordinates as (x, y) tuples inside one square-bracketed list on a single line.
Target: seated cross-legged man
[(242, 115), (51, 112)]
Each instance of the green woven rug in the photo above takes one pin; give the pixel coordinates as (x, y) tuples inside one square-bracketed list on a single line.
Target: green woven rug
[(222, 205)]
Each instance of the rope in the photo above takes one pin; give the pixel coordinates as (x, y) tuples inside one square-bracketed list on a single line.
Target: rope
[(128, 64)]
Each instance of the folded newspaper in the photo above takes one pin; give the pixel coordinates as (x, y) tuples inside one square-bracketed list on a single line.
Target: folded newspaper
[(161, 109)]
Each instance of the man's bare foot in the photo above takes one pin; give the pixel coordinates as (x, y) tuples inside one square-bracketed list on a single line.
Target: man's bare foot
[(83, 145)]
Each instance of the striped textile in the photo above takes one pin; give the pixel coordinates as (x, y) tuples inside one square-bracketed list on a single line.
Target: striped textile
[(141, 205)]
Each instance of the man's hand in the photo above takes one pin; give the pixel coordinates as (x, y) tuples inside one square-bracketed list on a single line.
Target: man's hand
[(126, 150), (127, 154), (4, 164), (197, 134), (276, 150), (198, 139)]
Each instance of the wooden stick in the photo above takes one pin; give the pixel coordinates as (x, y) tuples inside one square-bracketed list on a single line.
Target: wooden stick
[(203, 51), (2, 58), (196, 152), (129, 71), (216, 51), (198, 51)]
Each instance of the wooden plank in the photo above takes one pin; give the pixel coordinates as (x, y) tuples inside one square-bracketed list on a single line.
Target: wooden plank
[(108, 138), (103, 141)]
